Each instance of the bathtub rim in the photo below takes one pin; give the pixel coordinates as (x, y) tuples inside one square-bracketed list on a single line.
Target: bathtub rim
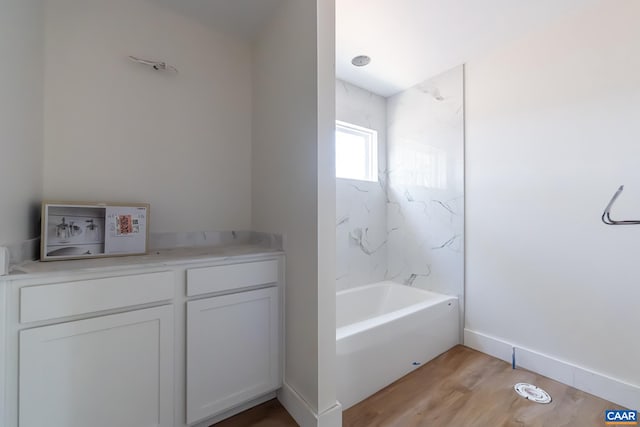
[(364, 325)]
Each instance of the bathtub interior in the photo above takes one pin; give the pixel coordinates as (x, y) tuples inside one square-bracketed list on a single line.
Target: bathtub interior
[(371, 301)]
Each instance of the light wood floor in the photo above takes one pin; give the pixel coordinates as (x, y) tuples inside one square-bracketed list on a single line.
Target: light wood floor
[(461, 388), (269, 414)]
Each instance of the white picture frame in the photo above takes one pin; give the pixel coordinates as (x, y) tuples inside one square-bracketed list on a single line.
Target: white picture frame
[(78, 230)]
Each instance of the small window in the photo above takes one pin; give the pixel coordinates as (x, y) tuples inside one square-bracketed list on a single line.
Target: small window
[(356, 152)]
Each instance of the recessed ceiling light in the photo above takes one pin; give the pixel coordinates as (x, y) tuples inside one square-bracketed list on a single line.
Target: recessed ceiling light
[(361, 60)]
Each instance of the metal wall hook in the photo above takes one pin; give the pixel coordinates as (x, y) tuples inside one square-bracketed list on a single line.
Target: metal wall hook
[(606, 215)]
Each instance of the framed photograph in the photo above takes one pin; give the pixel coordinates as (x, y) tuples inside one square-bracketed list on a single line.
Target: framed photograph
[(92, 230)]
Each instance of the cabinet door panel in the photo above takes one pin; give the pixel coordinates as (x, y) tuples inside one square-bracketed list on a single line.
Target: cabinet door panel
[(232, 350), (103, 372)]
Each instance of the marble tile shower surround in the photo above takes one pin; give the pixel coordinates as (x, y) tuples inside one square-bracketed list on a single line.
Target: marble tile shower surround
[(421, 187), (29, 250), (361, 212), (361, 233)]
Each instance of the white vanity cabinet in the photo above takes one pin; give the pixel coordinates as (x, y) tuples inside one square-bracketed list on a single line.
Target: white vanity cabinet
[(182, 342), (233, 342), (105, 370)]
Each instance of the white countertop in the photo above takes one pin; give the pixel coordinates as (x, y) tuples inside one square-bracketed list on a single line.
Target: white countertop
[(158, 258)]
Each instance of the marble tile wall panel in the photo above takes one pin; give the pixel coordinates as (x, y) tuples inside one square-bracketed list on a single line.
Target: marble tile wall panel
[(361, 212), (425, 209)]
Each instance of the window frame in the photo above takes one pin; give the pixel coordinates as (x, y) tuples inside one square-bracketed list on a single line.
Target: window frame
[(370, 136)]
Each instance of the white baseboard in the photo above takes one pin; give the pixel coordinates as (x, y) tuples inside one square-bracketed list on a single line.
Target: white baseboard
[(296, 406), (332, 417), (603, 386), (3, 353), (303, 414)]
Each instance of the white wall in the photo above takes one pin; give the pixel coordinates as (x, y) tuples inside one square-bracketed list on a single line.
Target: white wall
[(21, 82), (118, 131), (361, 206), (553, 128), (292, 187)]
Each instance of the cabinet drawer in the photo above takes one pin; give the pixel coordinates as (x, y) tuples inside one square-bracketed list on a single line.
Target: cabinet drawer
[(229, 277), (52, 301)]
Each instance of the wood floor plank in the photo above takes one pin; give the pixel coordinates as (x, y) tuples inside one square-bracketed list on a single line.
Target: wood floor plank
[(269, 414), (460, 388)]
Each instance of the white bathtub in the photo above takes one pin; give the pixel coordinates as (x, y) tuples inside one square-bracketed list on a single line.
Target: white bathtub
[(386, 330)]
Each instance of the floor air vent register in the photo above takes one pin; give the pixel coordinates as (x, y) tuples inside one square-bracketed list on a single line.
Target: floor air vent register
[(532, 393)]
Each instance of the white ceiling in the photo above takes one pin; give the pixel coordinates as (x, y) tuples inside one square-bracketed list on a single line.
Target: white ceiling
[(411, 40), (240, 18), (408, 40)]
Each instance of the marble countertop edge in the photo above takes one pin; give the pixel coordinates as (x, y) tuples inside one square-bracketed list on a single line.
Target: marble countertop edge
[(154, 259)]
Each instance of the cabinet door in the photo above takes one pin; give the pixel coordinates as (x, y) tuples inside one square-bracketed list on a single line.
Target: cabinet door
[(232, 350), (109, 371)]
